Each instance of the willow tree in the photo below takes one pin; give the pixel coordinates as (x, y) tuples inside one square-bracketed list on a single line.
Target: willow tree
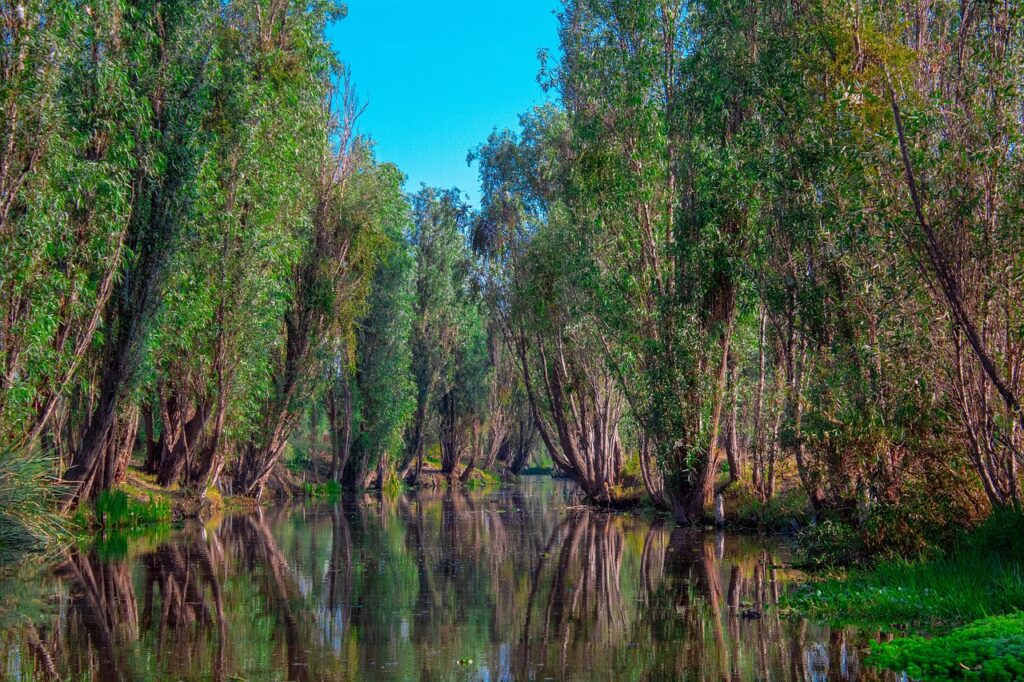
[(952, 184), (371, 402), (440, 220), (539, 283), (228, 280), (657, 97), (68, 134), (356, 197), (172, 53)]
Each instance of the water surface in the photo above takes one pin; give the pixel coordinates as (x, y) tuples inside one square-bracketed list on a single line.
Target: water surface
[(520, 583)]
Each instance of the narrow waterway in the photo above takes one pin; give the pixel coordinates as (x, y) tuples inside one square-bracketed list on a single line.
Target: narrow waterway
[(520, 583)]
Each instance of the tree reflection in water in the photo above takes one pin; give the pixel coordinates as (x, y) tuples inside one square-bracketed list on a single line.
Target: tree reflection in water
[(437, 585)]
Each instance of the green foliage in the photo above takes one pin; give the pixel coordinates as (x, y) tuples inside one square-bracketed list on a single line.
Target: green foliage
[(383, 391), (450, 363), (116, 509), (989, 649)]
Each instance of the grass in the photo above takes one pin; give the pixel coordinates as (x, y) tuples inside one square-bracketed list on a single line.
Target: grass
[(27, 502), (116, 509), (328, 490), (981, 575), (987, 649)]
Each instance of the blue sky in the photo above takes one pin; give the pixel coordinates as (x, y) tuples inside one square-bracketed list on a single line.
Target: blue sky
[(439, 75)]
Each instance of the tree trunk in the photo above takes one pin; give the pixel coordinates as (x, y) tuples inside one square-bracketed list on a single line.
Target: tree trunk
[(340, 414)]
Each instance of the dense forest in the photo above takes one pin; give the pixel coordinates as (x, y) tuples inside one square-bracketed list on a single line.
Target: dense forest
[(771, 251)]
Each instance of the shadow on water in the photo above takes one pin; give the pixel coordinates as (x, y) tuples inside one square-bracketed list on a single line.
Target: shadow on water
[(516, 584)]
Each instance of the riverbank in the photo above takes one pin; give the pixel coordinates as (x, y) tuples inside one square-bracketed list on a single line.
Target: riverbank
[(960, 610), (139, 502)]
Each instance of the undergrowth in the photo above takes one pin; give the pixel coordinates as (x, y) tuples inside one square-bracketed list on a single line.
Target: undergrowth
[(964, 603), (981, 574)]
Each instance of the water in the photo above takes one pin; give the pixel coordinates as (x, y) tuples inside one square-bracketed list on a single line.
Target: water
[(520, 583)]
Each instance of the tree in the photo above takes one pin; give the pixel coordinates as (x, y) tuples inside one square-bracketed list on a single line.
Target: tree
[(440, 218), (380, 387)]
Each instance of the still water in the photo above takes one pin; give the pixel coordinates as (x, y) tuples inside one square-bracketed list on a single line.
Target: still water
[(520, 583)]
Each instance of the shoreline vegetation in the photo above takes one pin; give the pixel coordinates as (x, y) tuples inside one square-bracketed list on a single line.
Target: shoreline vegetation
[(754, 264)]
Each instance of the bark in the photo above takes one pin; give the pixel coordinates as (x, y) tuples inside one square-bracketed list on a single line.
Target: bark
[(691, 489), (449, 435), (339, 407)]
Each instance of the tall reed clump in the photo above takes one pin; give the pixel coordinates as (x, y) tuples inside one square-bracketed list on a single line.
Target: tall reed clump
[(27, 502)]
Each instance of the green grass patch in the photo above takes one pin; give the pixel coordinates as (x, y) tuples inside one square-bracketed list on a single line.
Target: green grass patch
[(116, 509), (987, 649), (981, 575), (328, 490), (965, 604)]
